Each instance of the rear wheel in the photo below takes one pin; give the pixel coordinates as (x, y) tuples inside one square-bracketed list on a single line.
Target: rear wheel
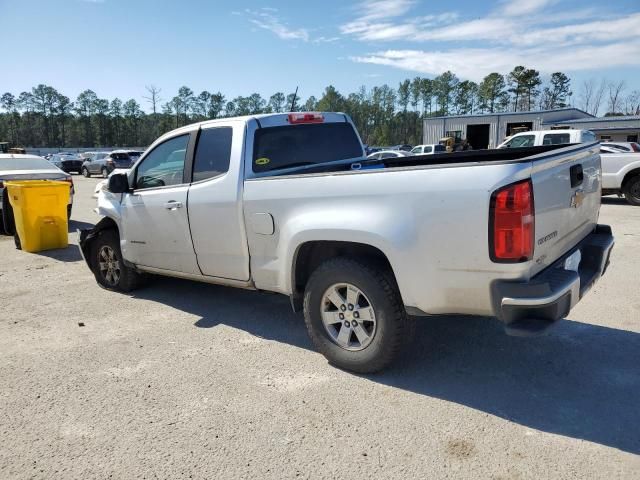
[(354, 315), (631, 190), (85, 172), (108, 266), (104, 172)]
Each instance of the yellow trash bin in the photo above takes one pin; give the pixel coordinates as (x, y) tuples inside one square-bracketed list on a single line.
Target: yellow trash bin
[(40, 212)]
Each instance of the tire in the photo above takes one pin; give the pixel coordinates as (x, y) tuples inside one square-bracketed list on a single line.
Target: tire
[(8, 222), (631, 190), (378, 298), (85, 172), (104, 172), (69, 208), (16, 241), (117, 277)]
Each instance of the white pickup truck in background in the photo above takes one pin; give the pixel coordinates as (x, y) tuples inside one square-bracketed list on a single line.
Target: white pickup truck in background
[(621, 174), (548, 137), (288, 203)]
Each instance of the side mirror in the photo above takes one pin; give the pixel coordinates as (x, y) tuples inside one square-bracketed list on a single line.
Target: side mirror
[(118, 183)]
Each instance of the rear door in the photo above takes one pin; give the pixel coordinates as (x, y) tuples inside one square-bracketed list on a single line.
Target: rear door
[(215, 202), (566, 192), (154, 216)]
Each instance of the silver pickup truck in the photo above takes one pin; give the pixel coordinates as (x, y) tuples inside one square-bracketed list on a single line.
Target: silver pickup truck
[(288, 203)]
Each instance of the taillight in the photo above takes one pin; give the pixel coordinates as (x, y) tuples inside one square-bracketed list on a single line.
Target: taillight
[(511, 223), (306, 118)]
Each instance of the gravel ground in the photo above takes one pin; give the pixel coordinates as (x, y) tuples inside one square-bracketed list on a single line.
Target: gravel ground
[(187, 380)]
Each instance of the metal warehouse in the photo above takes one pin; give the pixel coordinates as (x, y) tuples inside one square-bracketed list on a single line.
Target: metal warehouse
[(488, 130)]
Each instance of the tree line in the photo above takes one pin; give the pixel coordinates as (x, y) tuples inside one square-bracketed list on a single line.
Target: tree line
[(44, 117)]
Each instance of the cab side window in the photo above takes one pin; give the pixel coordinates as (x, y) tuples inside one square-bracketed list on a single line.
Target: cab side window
[(213, 153), (164, 166)]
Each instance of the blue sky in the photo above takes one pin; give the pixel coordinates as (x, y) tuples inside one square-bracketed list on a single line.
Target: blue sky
[(116, 47)]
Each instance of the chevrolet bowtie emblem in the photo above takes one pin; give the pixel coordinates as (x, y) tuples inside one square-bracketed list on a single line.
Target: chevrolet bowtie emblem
[(577, 198)]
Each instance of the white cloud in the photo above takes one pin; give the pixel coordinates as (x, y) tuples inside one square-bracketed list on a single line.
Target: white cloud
[(265, 19), (475, 63), (375, 21), (326, 39), (379, 9), (524, 7), (514, 33)]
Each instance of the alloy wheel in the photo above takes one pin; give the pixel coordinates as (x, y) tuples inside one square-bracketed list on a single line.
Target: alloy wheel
[(109, 265), (348, 316)]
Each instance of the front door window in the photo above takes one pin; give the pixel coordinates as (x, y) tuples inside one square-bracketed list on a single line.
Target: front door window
[(164, 166)]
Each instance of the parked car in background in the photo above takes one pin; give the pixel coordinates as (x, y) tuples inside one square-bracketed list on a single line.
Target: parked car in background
[(548, 137), (93, 163), (621, 174), (404, 148), (67, 162), (25, 167), (428, 149), (134, 155), (631, 147), (277, 202), (388, 154), (103, 163)]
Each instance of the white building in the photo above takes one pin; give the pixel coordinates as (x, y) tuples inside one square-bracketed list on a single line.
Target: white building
[(487, 130)]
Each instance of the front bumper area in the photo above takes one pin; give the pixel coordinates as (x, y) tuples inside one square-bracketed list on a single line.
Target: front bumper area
[(530, 308)]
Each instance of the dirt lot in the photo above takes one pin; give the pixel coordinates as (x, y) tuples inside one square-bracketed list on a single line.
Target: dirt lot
[(186, 380)]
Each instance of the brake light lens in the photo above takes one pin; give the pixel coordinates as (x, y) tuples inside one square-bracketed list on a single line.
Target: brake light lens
[(511, 224), (306, 118)]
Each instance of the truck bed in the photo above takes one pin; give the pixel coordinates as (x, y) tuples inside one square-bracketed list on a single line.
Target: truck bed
[(429, 215)]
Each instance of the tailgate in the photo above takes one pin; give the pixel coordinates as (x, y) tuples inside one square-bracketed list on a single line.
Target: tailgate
[(566, 192)]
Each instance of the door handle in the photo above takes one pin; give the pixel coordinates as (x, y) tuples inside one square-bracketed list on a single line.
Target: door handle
[(172, 205), (576, 174)]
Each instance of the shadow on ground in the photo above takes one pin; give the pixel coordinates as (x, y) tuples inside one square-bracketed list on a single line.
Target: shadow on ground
[(580, 381)]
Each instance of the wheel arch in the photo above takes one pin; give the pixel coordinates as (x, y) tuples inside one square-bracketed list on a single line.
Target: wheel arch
[(629, 175), (88, 236), (309, 255)]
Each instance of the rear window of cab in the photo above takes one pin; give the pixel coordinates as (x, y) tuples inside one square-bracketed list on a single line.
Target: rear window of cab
[(277, 148)]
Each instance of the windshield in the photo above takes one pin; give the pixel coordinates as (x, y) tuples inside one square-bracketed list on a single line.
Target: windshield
[(276, 148), (24, 164)]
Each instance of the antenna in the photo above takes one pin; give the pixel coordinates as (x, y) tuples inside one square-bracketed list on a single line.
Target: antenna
[(293, 101)]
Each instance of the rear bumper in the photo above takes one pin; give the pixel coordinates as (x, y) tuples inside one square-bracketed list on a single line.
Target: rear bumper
[(529, 308)]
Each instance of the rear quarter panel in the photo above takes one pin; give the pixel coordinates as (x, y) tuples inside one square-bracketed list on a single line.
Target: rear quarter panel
[(430, 222)]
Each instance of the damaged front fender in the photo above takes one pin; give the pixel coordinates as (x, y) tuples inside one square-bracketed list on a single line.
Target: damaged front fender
[(88, 235)]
